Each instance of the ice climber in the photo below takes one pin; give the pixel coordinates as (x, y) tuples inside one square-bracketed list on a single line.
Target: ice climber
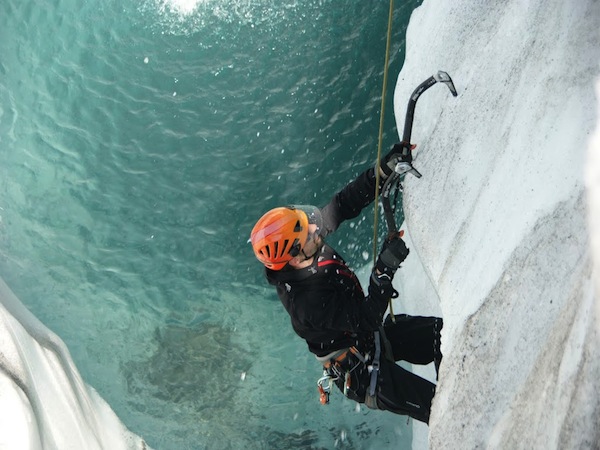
[(329, 310)]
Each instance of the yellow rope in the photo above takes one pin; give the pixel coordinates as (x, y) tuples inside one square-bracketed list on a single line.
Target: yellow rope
[(377, 176)]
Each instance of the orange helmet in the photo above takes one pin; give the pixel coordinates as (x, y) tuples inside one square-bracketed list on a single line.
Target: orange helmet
[(279, 235)]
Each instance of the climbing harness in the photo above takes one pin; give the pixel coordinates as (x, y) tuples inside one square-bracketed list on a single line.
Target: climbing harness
[(333, 371)]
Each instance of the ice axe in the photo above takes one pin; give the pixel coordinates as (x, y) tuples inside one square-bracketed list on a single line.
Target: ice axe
[(405, 166)]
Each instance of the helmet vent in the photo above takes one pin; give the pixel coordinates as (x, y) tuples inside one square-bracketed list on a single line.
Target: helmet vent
[(295, 248), (298, 227), (285, 244)]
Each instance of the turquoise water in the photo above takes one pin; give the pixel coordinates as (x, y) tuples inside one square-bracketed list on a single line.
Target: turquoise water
[(139, 142)]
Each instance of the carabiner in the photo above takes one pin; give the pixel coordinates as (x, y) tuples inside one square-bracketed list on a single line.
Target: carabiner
[(324, 391)]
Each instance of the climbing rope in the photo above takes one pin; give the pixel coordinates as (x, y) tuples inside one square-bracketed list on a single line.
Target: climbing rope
[(381, 117)]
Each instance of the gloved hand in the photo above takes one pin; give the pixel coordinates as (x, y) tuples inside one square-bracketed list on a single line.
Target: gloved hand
[(400, 152), (393, 252)]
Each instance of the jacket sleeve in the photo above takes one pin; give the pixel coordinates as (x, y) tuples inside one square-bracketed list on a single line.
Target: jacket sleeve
[(349, 202)]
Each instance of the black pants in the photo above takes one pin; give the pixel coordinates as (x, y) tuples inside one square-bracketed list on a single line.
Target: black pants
[(413, 339), (416, 340)]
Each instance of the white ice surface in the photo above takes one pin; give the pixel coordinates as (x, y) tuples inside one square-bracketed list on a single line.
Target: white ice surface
[(44, 403), (499, 222)]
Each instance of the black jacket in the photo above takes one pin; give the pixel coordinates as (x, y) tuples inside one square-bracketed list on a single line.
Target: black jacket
[(325, 301)]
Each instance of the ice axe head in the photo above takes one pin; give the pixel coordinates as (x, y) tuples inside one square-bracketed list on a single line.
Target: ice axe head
[(443, 77)]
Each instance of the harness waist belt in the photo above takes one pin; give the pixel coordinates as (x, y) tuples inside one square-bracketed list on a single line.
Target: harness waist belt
[(335, 356), (339, 355)]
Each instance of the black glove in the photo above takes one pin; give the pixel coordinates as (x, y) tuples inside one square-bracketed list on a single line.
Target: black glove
[(393, 252), (400, 152)]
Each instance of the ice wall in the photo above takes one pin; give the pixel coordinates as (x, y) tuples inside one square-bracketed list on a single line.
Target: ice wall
[(498, 221), (44, 403)]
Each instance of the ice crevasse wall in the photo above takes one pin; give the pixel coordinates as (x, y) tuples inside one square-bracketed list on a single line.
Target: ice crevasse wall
[(504, 225), (44, 403)]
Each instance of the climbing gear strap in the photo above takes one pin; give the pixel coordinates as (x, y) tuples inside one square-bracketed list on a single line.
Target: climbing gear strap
[(374, 367), (389, 354)]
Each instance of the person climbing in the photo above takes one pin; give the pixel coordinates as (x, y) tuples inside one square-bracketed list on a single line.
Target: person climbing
[(329, 310)]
